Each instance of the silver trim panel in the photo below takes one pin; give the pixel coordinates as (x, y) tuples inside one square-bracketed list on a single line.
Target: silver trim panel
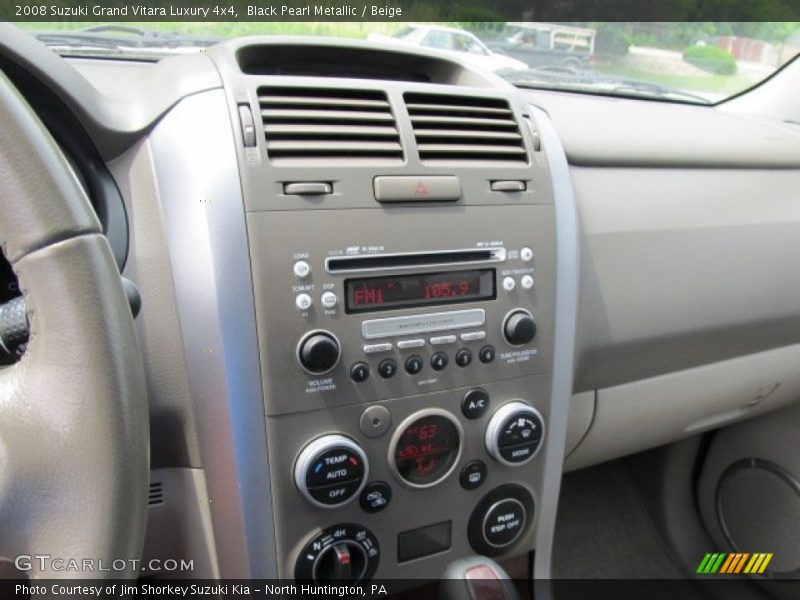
[(567, 273), (425, 323), (199, 185)]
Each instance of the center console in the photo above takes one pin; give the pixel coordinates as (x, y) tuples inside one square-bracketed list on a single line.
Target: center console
[(403, 246)]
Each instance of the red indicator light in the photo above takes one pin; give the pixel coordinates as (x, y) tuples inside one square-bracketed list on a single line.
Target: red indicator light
[(353, 461)]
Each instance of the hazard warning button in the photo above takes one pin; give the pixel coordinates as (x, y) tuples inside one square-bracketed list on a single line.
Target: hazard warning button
[(408, 188)]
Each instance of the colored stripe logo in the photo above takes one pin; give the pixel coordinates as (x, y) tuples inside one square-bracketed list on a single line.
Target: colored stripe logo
[(735, 562)]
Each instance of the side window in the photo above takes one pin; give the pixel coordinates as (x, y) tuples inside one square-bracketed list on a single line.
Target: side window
[(438, 39), (465, 43)]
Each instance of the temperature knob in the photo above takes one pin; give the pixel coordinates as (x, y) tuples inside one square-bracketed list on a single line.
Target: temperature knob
[(346, 553), (514, 433), (331, 470), (318, 352), (519, 328)]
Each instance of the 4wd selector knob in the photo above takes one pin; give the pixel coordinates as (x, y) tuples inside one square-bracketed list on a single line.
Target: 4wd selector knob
[(345, 553), (331, 470), (514, 433), (519, 328), (318, 352)]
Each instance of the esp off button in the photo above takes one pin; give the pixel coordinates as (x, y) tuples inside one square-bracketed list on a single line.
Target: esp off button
[(504, 522), (500, 519), (331, 470)]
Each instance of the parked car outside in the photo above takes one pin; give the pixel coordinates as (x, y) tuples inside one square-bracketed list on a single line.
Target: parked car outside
[(466, 44), (547, 45)]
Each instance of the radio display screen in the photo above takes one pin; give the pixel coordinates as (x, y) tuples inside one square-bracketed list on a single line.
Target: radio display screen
[(428, 289)]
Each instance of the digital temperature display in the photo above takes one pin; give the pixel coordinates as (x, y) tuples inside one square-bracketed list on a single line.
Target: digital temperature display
[(408, 291), (427, 449)]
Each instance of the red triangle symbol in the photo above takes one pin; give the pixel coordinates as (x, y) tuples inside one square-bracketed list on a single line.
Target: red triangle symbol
[(420, 190)]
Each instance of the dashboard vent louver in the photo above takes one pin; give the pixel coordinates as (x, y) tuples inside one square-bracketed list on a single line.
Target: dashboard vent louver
[(320, 123), (464, 128), (155, 495)]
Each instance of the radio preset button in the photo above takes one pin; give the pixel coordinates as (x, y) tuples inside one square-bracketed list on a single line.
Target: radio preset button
[(301, 269), (475, 403), (387, 368), (329, 300), (509, 284), (526, 254), (439, 361), (376, 348), (487, 354), (406, 344), (473, 336), (463, 357), (441, 340), (414, 364), (303, 301), (526, 282), (359, 372)]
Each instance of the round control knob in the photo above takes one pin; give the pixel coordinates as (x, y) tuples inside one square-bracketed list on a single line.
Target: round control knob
[(519, 328), (318, 352), (514, 433), (346, 553), (331, 470)]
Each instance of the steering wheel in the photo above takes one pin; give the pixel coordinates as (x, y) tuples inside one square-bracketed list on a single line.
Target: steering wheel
[(74, 433)]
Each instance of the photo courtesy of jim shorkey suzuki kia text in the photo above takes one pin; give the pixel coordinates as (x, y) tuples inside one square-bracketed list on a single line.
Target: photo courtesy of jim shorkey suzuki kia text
[(193, 590)]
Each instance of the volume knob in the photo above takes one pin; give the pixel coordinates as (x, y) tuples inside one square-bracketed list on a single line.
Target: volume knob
[(519, 328), (318, 352)]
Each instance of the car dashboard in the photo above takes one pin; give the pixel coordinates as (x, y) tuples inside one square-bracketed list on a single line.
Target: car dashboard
[(388, 299)]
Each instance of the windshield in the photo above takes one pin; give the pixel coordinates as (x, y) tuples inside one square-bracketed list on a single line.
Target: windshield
[(690, 62)]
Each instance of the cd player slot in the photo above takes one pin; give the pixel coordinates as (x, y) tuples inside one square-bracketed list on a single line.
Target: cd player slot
[(414, 260)]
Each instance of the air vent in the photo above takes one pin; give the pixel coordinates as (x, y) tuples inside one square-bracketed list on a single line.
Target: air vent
[(156, 494), (313, 123), (463, 128)]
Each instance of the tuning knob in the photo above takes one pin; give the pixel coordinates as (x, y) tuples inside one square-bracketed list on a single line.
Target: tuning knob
[(318, 352), (519, 328)]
